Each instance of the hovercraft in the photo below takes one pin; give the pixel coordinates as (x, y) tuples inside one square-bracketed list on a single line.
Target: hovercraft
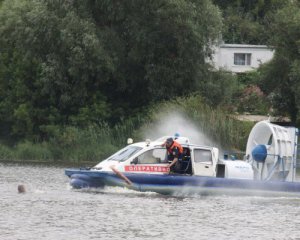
[(268, 167)]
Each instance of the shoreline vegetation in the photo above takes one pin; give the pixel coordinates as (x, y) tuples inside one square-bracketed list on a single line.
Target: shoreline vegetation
[(92, 144), (77, 78)]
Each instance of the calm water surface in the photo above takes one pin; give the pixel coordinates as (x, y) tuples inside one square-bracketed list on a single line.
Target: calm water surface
[(52, 210)]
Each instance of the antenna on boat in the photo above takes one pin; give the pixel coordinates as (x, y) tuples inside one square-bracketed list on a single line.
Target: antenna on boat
[(147, 142)]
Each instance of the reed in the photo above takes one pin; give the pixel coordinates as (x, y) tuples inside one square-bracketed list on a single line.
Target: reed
[(95, 142), (214, 122)]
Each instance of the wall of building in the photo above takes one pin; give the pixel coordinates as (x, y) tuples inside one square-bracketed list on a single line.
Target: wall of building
[(223, 57)]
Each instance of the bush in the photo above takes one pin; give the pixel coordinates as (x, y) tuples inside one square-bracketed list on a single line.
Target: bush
[(253, 100), (32, 151), (219, 88), (6, 153), (96, 142), (248, 78)]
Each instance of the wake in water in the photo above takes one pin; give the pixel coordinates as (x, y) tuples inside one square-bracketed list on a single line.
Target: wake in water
[(186, 193), (118, 191)]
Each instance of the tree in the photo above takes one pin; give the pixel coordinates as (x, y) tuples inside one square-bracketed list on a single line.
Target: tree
[(280, 78), (246, 21), (86, 61), (160, 46), (220, 89), (52, 65)]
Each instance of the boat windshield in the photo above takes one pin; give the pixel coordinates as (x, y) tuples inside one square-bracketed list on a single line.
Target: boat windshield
[(124, 153)]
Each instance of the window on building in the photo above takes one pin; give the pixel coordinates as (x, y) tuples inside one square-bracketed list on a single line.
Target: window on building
[(242, 59)]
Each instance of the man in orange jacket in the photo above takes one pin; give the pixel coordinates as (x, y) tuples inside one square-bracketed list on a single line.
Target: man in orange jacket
[(175, 152)]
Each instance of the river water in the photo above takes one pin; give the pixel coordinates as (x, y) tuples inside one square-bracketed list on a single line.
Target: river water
[(50, 209)]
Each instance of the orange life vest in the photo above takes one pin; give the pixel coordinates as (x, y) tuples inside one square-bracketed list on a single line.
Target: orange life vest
[(175, 144)]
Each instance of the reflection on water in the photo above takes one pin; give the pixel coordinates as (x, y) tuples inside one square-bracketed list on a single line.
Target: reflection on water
[(50, 209)]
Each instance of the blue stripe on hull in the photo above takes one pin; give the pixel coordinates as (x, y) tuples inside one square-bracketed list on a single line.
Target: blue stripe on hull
[(169, 184)]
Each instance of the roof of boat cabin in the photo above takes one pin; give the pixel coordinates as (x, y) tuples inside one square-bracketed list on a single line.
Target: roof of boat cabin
[(160, 144)]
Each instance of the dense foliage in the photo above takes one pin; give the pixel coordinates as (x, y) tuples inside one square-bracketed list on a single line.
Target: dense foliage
[(83, 62), (246, 21), (75, 72), (281, 77), (90, 145)]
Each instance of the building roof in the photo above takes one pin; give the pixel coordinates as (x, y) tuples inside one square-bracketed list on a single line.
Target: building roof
[(244, 46)]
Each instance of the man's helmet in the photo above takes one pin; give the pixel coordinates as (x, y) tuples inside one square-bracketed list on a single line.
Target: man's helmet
[(169, 140)]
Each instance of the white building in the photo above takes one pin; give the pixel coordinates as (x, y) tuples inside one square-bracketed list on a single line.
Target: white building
[(239, 58)]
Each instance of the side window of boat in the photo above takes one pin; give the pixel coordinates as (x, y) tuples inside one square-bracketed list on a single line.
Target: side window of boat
[(161, 155), (202, 156), (153, 156)]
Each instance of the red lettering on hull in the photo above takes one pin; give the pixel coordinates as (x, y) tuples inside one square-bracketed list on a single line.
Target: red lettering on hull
[(146, 168)]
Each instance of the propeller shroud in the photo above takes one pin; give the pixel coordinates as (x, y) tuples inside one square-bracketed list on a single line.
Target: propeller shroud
[(271, 151)]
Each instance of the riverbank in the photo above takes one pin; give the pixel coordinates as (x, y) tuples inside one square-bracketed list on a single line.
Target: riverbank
[(189, 116), (82, 164)]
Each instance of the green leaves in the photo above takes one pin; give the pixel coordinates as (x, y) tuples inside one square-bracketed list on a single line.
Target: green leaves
[(247, 21), (51, 58), (82, 62), (280, 77)]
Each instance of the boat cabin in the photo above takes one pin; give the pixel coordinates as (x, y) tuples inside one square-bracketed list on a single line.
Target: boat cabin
[(151, 157), (195, 160)]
